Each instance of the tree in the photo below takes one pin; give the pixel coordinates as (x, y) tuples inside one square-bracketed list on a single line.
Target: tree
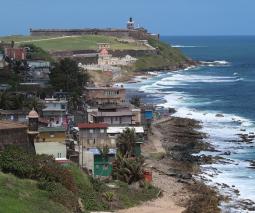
[(126, 142), (104, 151), (128, 170), (66, 76), (136, 101)]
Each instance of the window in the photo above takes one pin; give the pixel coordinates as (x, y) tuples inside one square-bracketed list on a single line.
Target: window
[(94, 141), (91, 130), (105, 167), (101, 130), (59, 154)]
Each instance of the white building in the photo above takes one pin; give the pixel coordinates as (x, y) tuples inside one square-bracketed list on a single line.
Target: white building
[(56, 149)]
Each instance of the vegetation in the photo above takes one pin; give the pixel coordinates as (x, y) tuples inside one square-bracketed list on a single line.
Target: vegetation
[(23, 195), (126, 143), (201, 203), (36, 53), (128, 170), (136, 101), (167, 58), (53, 188), (68, 43), (66, 76), (18, 101)]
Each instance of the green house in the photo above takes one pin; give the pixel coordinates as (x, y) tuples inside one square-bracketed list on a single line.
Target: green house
[(96, 163)]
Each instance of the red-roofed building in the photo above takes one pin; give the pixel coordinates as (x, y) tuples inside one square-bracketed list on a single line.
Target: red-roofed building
[(92, 126), (103, 52), (15, 53), (94, 135)]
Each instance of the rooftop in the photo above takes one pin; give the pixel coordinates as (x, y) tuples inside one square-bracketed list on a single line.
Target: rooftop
[(92, 126), (118, 130), (11, 125), (104, 88), (111, 114), (95, 151)]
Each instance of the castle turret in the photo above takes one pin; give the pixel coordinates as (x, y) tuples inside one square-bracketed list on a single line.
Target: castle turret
[(33, 120), (130, 24)]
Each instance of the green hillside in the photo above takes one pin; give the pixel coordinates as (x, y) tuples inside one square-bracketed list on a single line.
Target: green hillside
[(66, 43), (168, 58), (22, 195)]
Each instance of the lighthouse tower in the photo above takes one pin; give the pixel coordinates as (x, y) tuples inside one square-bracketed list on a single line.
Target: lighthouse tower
[(130, 24)]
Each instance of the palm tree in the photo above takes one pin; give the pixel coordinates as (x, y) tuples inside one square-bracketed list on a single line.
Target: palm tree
[(126, 142)]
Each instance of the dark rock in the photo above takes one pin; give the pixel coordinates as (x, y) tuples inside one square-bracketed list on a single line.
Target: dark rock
[(219, 115)]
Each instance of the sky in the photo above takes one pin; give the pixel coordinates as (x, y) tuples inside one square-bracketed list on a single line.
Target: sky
[(166, 17)]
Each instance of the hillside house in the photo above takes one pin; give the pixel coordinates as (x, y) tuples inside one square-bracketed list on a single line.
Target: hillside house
[(114, 132), (51, 134), (17, 54), (95, 163), (14, 115), (93, 135), (95, 96), (120, 115), (55, 111), (39, 71), (2, 61)]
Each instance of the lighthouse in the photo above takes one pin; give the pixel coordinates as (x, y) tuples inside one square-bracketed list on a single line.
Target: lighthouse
[(130, 24)]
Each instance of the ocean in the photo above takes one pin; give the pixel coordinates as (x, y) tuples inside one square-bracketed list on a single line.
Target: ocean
[(220, 94)]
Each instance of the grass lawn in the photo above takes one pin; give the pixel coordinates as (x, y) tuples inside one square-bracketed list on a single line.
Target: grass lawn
[(88, 42), (22, 195)]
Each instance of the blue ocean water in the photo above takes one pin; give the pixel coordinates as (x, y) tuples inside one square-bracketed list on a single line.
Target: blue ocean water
[(223, 85)]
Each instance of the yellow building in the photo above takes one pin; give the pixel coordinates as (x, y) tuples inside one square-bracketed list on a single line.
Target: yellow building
[(51, 134)]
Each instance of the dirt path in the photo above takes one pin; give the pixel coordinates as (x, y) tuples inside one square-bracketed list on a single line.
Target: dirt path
[(173, 192), (46, 39)]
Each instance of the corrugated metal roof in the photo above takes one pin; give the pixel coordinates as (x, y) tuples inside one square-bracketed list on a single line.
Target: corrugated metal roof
[(96, 151), (118, 130)]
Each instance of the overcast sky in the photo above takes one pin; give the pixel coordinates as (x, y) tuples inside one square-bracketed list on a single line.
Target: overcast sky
[(167, 17)]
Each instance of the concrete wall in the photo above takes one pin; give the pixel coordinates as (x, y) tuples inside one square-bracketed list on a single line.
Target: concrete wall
[(58, 150)]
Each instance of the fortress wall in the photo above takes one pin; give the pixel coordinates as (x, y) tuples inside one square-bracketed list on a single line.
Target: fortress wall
[(136, 34)]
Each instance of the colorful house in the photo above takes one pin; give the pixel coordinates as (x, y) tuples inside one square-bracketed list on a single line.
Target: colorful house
[(93, 135), (95, 163), (51, 134)]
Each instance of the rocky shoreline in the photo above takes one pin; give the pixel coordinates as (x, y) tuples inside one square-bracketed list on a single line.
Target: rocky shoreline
[(181, 139)]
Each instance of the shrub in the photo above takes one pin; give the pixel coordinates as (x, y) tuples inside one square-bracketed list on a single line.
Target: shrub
[(60, 194), (26, 165), (18, 162)]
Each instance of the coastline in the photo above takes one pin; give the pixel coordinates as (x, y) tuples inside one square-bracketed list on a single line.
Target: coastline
[(168, 154), (226, 195)]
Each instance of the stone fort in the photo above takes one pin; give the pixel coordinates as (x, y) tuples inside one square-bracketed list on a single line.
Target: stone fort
[(130, 31)]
